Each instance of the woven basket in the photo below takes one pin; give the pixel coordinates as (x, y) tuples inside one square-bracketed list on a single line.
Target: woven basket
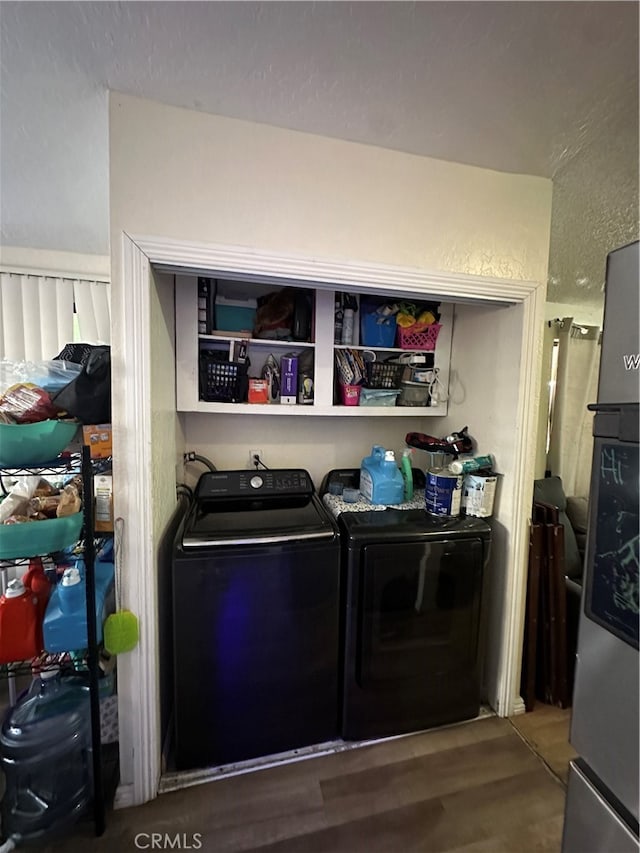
[(425, 340)]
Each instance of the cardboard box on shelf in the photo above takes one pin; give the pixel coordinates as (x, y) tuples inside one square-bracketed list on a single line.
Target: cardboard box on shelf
[(258, 391), (289, 379), (98, 438), (206, 287), (103, 503)]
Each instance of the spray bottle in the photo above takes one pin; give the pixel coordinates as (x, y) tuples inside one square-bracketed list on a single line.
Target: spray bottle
[(407, 473)]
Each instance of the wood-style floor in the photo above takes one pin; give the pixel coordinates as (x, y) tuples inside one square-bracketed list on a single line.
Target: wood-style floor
[(487, 786), (546, 730)]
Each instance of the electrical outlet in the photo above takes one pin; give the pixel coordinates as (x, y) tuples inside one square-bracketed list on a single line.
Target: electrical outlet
[(254, 455)]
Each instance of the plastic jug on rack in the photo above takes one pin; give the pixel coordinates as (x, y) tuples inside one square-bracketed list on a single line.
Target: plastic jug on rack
[(381, 481), (20, 626), (36, 580), (46, 756), (65, 621)]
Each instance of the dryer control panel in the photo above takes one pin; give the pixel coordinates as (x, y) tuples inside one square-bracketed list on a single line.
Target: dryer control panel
[(238, 484)]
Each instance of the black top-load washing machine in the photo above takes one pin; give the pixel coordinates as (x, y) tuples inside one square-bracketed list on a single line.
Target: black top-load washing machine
[(255, 588), (411, 596)]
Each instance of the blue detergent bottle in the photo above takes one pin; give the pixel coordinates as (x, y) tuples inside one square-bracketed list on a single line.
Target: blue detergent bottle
[(64, 627), (381, 481)]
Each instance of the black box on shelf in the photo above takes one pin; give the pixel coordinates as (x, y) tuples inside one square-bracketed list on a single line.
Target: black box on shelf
[(206, 305)]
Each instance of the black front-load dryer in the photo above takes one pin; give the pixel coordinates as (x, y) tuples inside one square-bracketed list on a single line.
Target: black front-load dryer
[(412, 587), (255, 587)]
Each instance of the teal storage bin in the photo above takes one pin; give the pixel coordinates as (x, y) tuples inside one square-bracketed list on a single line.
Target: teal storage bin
[(22, 445), (235, 315), (39, 537)]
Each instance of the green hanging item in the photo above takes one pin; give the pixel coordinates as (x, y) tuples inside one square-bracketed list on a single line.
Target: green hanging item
[(121, 630)]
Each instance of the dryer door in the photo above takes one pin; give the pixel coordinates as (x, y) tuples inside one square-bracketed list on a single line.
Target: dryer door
[(419, 610)]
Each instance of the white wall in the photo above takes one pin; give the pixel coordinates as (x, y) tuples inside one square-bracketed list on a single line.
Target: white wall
[(485, 394), (316, 443), (199, 177), (62, 264), (193, 177)]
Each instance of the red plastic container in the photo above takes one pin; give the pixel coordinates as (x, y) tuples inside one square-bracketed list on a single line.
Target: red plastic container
[(20, 626), (36, 580)]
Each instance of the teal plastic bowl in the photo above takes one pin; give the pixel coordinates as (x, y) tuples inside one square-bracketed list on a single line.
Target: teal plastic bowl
[(39, 537), (22, 445)]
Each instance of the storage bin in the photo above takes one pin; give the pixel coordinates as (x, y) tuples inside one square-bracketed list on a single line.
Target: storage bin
[(235, 315), (39, 537), (414, 394), (221, 380), (34, 444), (377, 330), (425, 340), (378, 397), (384, 374)]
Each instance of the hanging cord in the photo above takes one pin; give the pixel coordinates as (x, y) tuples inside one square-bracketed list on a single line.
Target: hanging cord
[(437, 391), (118, 535)]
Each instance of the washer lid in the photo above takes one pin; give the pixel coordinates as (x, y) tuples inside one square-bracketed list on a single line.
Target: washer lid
[(395, 525), (257, 519)]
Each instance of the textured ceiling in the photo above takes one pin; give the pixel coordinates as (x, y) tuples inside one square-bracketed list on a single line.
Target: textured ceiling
[(523, 87)]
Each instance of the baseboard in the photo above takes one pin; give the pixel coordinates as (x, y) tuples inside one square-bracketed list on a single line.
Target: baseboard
[(518, 707), (124, 798)]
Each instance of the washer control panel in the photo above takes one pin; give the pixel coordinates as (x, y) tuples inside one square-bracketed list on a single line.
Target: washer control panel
[(238, 484)]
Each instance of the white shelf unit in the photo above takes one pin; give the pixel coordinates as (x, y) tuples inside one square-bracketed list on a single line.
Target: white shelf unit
[(187, 349)]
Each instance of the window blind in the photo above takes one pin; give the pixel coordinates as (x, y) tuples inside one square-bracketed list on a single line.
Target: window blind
[(37, 314)]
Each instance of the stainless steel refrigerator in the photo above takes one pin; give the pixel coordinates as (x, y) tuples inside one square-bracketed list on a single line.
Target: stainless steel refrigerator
[(601, 814)]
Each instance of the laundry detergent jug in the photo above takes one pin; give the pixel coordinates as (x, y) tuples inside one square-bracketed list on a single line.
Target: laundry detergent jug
[(381, 481), (20, 627), (65, 620)]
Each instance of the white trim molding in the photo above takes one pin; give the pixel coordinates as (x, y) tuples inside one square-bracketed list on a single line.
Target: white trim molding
[(55, 263), (138, 669), (248, 262), (133, 477), (508, 698)]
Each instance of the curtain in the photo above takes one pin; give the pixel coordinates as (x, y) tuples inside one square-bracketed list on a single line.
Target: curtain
[(37, 314), (571, 441), (544, 412)]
